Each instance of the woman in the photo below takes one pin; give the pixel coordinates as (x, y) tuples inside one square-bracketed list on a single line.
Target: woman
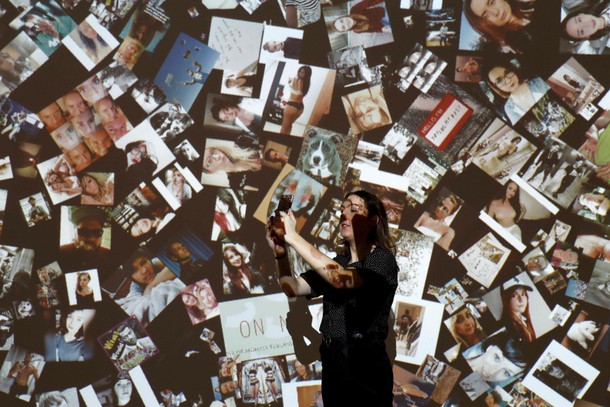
[(177, 185), (516, 309), (358, 288), (297, 88), (434, 223), (592, 24), (60, 178), (493, 399), (94, 192), (84, 293), (465, 329), (200, 301), (497, 359), (229, 212), (303, 372), (227, 157), (92, 43), (241, 82), (229, 111), (506, 208), (69, 345), (515, 95), (122, 389), (146, 227), (501, 22), (242, 278), (364, 17), (367, 112)]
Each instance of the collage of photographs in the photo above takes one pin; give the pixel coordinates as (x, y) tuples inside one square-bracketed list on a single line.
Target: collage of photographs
[(300, 203)]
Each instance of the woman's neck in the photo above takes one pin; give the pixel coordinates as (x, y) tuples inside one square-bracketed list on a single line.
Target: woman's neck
[(69, 337)]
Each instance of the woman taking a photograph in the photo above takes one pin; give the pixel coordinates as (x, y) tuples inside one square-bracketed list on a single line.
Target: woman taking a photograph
[(69, 345), (514, 95), (358, 287), (516, 309), (506, 208), (502, 22), (84, 293), (242, 278), (466, 329), (297, 88)]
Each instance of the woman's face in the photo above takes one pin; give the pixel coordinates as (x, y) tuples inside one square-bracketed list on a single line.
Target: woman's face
[(123, 388), (302, 73), (511, 190), (228, 114), (495, 12), (189, 299), (233, 258), (87, 30), (496, 367), (214, 160), (83, 280), (353, 205), (345, 23), (204, 296), (75, 321), (582, 26), (7, 64), (25, 307), (465, 324), (368, 113), (503, 79), (142, 271), (566, 256), (89, 185), (518, 300), (177, 178), (141, 227), (300, 368)]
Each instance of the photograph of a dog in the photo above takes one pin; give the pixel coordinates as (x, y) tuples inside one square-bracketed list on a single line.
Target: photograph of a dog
[(326, 154)]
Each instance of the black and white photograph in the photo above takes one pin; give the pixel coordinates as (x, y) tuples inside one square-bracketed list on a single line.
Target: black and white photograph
[(117, 79), (148, 95), (232, 114), (397, 143), (367, 155), (177, 185), (280, 44), (351, 66), (170, 121)]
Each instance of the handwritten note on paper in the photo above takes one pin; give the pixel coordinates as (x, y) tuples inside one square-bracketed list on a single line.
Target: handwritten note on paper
[(485, 259), (238, 42)]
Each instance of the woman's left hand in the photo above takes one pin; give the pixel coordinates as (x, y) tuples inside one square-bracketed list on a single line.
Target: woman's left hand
[(290, 224)]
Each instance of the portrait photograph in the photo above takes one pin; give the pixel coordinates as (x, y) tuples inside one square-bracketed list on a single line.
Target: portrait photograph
[(69, 339), (177, 185), (579, 43), (199, 301), (35, 209), (366, 109), (83, 288), (90, 42), (186, 255)]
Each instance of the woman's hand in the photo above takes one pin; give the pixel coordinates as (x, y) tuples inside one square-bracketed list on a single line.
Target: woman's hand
[(275, 238), (290, 224), (603, 172)]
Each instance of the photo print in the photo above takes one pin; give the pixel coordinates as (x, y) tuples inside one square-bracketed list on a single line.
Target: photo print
[(148, 25), (517, 303), (441, 27), (431, 70), (18, 123), (280, 44), (275, 155), (500, 151), (185, 70), (199, 301), (146, 153), (559, 376), (68, 396), (6, 171), (415, 320), (397, 143), (306, 193), (474, 386), (366, 109), (297, 96), (20, 59), (592, 42), (475, 34), (422, 179), (261, 380), (390, 189), (516, 211), (47, 291), (116, 78), (113, 390), (177, 186), (241, 274), (576, 87), (111, 12), (16, 270), (97, 188), (351, 66), (593, 204), (451, 295), (229, 213), (368, 155), (142, 214), (409, 389), (441, 374), (465, 328), (244, 321), (143, 285), (325, 155), (185, 153), (69, 336), (558, 171), (351, 23), (598, 291), (90, 42), (228, 163), (298, 372), (484, 259), (413, 255), (468, 68), (238, 44), (170, 121), (20, 372), (83, 288), (35, 209), (85, 237), (537, 265), (410, 66), (127, 344), (498, 359), (436, 221), (23, 309), (186, 255), (327, 226), (148, 95), (547, 118), (584, 335), (232, 114), (46, 23), (565, 256)]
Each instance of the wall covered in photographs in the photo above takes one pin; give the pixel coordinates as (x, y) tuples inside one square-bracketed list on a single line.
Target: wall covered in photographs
[(144, 145)]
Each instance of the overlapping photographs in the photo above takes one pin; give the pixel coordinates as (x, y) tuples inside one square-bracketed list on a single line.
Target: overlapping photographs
[(24, 58), (148, 25), (351, 66), (441, 27), (413, 255), (228, 163), (170, 121), (367, 155)]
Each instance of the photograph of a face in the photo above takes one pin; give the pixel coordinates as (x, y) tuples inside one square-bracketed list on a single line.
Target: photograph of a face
[(90, 42), (578, 35), (367, 109)]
